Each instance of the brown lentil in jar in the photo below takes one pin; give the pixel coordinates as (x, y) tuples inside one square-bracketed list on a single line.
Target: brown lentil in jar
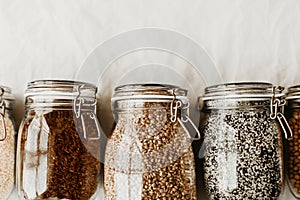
[(59, 147), (148, 156), (293, 145)]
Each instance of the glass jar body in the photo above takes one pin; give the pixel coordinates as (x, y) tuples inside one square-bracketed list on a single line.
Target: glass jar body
[(148, 156), (7, 157), (7, 143), (58, 154), (54, 158), (244, 156), (293, 148)]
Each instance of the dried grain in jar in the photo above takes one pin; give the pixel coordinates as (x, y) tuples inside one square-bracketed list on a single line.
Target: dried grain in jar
[(149, 154), (7, 143), (58, 153), (244, 154)]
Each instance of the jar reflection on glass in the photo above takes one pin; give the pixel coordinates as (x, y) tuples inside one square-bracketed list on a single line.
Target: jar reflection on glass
[(149, 155), (59, 142), (7, 143), (244, 156)]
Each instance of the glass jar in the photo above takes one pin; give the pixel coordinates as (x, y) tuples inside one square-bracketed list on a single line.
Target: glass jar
[(243, 143), (293, 145), (7, 143), (149, 154), (58, 154)]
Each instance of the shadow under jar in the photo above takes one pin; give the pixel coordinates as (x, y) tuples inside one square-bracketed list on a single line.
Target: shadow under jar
[(149, 154), (58, 154), (244, 148), (7, 143), (293, 145)]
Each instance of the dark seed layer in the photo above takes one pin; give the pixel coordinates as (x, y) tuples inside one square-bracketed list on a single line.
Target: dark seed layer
[(243, 158)]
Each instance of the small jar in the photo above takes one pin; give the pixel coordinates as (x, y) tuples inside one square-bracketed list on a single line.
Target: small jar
[(149, 154), (293, 145), (58, 154), (243, 142), (7, 143)]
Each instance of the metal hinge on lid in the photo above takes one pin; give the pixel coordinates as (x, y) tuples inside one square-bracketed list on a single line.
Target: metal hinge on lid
[(277, 111), (2, 113)]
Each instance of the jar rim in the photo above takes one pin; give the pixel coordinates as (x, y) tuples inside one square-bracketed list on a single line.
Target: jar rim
[(243, 90), (56, 82), (293, 93), (237, 85), (149, 90), (60, 88)]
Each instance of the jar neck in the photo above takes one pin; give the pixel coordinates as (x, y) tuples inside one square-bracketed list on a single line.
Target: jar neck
[(145, 104), (134, 97), (236, 104), (293, 104), (63, 95), (140, 108)]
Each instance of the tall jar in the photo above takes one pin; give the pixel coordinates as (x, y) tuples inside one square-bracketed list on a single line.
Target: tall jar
[(59, 142), (149, 154), (7, 143), (293, 145), (243, 142)]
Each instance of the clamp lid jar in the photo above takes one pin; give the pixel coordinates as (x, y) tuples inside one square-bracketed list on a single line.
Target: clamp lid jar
[(293, 145), (149, 154), (242, 136), (58, 155)]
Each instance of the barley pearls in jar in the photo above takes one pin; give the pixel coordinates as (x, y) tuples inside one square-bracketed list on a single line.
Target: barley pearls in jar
[(244, 156), (149, 154), (7, 143), (59, 142)]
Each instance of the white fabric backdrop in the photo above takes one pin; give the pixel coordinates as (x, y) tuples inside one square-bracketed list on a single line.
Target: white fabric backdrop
[(249, 40)]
